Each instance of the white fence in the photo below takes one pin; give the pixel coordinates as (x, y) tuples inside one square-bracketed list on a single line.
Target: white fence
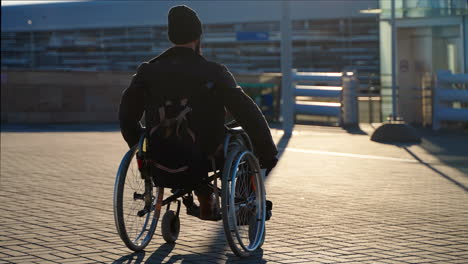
[(340, 87), (446, 93)]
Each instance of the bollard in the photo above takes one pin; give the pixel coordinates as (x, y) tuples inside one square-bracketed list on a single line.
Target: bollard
[(349, 99)]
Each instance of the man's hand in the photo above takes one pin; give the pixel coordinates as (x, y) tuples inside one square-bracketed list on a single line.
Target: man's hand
[(268, 164)]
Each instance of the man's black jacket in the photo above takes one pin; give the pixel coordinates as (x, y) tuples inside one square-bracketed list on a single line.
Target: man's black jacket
[(181, 72)]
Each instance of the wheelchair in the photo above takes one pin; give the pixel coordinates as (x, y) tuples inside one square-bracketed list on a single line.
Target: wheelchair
[(138, 202)]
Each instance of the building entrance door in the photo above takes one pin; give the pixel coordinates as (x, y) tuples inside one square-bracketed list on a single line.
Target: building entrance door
[(421, 52)]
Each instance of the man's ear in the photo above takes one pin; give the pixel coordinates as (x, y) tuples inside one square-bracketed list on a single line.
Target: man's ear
[(198, 46)]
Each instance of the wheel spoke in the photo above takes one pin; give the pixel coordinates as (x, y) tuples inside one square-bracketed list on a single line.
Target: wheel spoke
[(243, 197), (136, 231)]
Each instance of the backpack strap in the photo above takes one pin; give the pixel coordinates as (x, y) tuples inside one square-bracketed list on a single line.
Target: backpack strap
[(164, 168), (162, 114), (182, 116), (190, 132), (177, 120), (162, 118)]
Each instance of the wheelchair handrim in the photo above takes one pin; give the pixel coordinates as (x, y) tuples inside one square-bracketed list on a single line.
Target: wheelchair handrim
[(260, 203)]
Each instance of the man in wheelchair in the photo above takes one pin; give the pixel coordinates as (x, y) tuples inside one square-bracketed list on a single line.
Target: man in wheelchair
[(185, 97)]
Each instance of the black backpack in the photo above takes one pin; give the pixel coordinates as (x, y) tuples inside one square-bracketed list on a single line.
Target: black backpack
[(175, 157)]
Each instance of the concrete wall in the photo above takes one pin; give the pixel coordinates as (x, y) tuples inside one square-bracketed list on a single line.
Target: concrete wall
[(61, 97), (72, 97)]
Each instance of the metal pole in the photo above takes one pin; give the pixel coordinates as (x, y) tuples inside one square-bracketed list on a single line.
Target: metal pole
[(287, 99), (370, 108), (394, 88), (31, 44)]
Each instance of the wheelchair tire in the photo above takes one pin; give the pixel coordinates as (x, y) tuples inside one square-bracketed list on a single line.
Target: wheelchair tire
[(129, 192), (170, 226), (243, 201), (252, 233)]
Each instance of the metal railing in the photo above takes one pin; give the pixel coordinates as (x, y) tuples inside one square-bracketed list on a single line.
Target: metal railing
[(339, 88), (449, 91)]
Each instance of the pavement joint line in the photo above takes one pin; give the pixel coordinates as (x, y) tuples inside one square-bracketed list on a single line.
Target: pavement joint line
[(349, 155)]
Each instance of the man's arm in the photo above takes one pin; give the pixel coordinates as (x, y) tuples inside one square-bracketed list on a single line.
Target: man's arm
[(131, 108), (247, 113)]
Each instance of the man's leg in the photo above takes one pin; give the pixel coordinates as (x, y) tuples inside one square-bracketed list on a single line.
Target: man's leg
[(207, 200), (205, 193)]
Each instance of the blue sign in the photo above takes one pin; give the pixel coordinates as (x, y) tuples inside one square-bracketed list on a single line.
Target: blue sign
[(252, 36)]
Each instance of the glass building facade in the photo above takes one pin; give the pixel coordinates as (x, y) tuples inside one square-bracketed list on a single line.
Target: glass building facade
[(248, 45), (431, 35), (319, 45)]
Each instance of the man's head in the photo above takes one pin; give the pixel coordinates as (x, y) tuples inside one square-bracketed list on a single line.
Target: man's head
[(184, 26)]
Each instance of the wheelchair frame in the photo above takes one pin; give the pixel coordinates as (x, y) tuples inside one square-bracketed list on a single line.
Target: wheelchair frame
[(236, 140)]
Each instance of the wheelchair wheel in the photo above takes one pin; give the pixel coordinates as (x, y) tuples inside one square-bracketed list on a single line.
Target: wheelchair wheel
[(243, 202), (137, 204), (170, 226)]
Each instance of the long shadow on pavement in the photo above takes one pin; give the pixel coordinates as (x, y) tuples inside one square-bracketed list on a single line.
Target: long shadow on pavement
[(134, 258), (256, 257), (355, 130), (282, 144), (160, 254), (450, 148), (164, 250), (459, 184)]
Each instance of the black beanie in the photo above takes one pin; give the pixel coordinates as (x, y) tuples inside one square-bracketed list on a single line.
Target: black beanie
[(184, 26)]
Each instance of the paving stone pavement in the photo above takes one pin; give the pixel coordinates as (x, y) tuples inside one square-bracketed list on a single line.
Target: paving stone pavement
[(338, 198)]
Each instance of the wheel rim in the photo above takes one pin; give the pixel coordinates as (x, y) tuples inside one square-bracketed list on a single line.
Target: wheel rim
[(247, 209), (134, 225), (137, 231)]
